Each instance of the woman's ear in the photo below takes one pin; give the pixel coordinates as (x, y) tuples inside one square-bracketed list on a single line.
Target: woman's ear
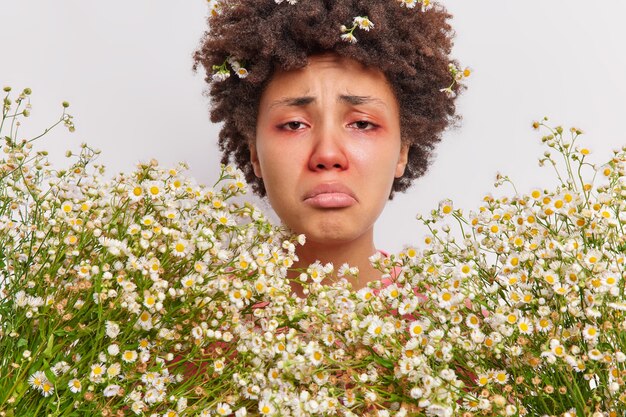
[(402, 160), (254, 159)]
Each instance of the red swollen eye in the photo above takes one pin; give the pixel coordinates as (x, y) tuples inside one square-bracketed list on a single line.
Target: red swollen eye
[(364, 125), (293, 126)]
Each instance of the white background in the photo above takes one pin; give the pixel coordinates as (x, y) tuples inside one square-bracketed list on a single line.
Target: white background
[(125, 66)]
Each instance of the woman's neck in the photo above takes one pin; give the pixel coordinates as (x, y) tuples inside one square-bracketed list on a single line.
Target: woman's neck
[(355, 253)]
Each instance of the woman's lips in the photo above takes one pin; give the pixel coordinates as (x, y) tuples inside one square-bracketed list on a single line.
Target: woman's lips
[(331, 195)]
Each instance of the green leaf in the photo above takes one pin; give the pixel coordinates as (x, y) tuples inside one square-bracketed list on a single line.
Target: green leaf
[(50, 375), (21, 388), (387, 363), (22, 342), (48, 352)]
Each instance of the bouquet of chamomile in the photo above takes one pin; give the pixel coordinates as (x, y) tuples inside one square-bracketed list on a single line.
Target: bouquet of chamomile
[(149, 294), (122, 296)]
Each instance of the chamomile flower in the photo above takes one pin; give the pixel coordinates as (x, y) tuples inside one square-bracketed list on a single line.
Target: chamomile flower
[(525, 326), (112, 329), (557, 348), (148, 220), (328, 338), (260, 285), (135, 192), (75, 385), (316, 272), (154, 265), (98, 370), (410, 4), (170, 214), (349, 37), (446, 207), (314, 353), (426, 5), (47, 389), (219, 366), (181, 247), (111, 390), (145, 320), (408, 306), (154, 189), (129, 356), (215, 7), (418, 327), (37, 379), (71, 240), (375, 327), (241, 72), (133, 229), (466, 270), (472, 321), (499, 376), (483, 379), (224, 218), (150, 300), (221, 75), (189, 281), (595, 354), (67, 207), (365, 294), (266, 408), (223, 409), (114, 370), (544, 324), (363, 22), (392, 292), (590, 333)]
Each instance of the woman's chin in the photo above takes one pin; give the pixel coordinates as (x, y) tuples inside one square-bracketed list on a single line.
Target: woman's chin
[(332, 233)]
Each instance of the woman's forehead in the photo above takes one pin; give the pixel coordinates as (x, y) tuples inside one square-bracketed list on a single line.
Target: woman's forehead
[(333, 60), (349, 81)]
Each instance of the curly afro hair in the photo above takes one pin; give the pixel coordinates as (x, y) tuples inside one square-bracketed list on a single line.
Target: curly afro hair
[(410, 46)]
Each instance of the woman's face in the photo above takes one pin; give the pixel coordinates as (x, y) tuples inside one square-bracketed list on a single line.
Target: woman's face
[(328, 147)]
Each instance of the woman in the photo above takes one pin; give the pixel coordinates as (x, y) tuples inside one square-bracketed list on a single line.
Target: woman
[(332, 106)]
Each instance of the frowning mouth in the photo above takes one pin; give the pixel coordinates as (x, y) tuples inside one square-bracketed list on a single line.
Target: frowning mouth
[(330, 195)]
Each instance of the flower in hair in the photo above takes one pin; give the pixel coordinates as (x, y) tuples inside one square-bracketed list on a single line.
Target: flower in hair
[(221, 72), (410, 4), (236, 66), (348, 37), (457, 76), (361, 22), (214, 7)]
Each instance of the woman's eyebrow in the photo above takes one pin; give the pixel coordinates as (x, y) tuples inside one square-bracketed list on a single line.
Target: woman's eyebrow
[(344, 98), (293, 101), (357, 100)]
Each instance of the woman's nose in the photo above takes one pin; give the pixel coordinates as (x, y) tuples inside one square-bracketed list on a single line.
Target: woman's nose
[(328, 151)]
